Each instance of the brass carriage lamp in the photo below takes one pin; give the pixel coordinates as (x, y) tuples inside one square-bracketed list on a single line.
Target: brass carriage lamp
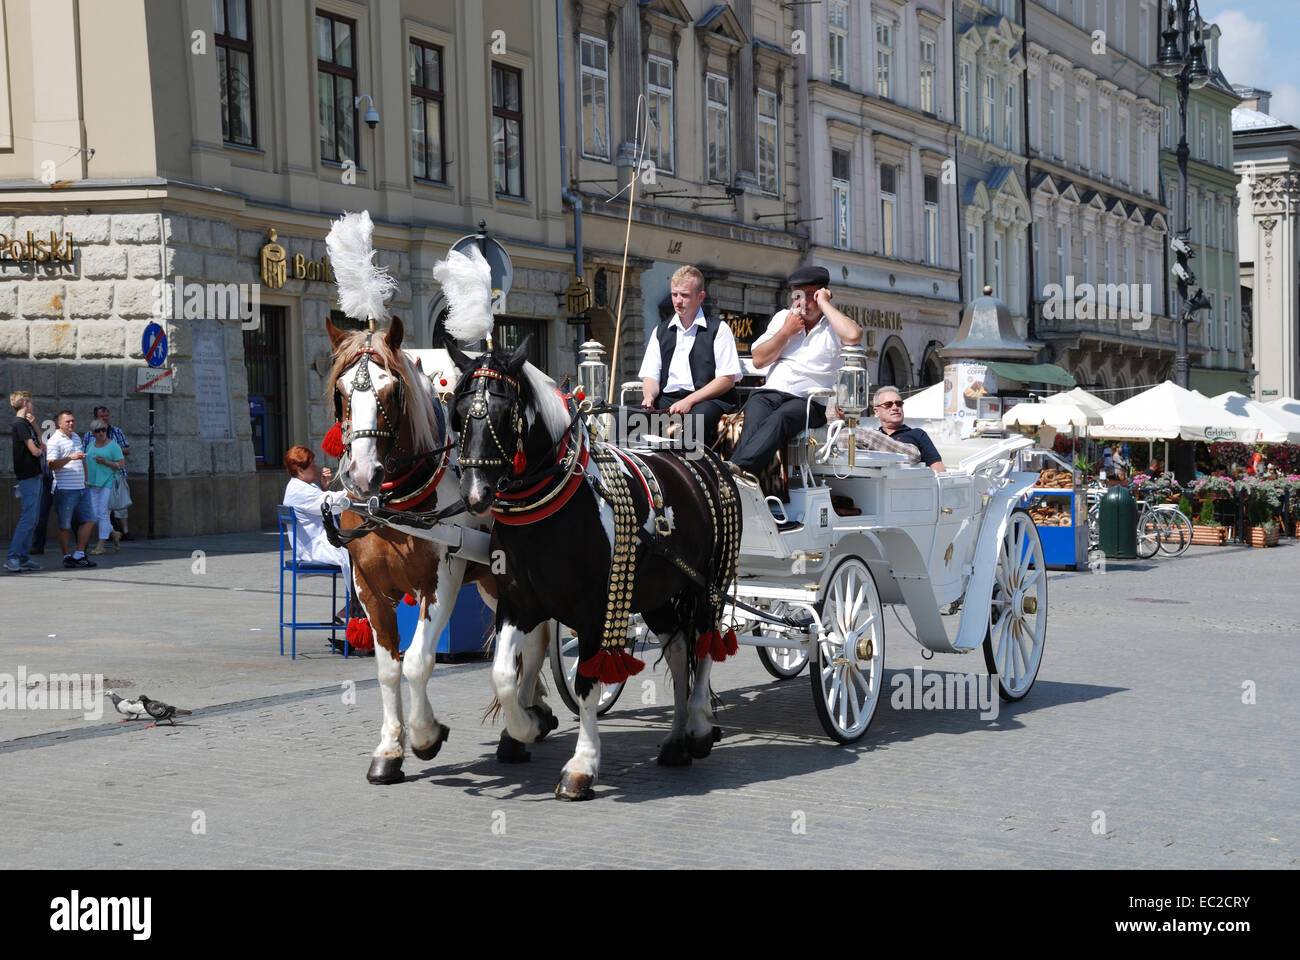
[(852, 390), (593, 375)]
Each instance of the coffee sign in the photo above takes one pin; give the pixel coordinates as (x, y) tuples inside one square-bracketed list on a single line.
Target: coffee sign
[(16, 250)]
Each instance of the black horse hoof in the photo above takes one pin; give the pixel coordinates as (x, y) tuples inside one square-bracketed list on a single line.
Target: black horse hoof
[(440, 736), (510, 750), (574, 786), (701, 747), (385, 770), (546, 721), (673, 753)]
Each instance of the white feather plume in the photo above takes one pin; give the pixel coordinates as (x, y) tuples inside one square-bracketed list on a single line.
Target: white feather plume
[(363, 286), (467, 284)]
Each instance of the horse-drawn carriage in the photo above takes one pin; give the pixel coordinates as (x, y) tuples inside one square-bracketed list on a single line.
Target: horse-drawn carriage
[(587, 533)]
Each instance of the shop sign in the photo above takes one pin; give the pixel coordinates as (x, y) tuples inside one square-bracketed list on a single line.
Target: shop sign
[(745, 328), (276, 261), (870, 317), (16, 250)]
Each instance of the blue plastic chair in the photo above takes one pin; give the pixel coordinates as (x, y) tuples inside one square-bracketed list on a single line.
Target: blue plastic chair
[(295, 568)]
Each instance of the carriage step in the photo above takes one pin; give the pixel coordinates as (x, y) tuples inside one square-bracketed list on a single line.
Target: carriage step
[(789, 526)]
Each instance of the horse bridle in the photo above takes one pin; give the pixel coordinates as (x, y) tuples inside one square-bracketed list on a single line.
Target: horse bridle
[(478, 410)]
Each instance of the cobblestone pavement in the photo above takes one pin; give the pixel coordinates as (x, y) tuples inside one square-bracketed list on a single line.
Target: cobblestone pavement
[(1134, 749)]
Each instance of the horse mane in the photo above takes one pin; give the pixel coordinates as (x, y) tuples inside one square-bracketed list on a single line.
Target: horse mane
[(420, 412), (546, 402)]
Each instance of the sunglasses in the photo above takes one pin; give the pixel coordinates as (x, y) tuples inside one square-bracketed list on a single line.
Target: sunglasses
[(889, 403), (101, 431)]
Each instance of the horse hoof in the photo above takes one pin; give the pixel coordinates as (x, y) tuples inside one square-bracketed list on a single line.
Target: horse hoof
[(546, 721), (385, 770), (673, 753), (701, 747), (510, 750), (440, 737), (574, 786)]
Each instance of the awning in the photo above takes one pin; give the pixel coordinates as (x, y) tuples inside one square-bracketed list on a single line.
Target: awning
[(1031, 372)]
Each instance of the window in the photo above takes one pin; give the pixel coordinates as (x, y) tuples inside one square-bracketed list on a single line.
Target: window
[(595, 97), (264, 363), (1080, 135), (1225, 226), (1143, 173), (990, 104), (884, 58), (1128, 266), (1009, 116), (336, 86), (927, 75), (972, 261), (1143, 54), (1087, 260), (1103, 142), (1120, 17), (1038, 257), (767, 135), (1204, 154), (1053, 145), (997, 267), (1210, 338), (841, 197), (1227, 323), (1218, 145), (931, 219), (888, 210), (1164, 136), (507, 130), (1078, 13), (659, 103), (1107, 276), (234, 42), (425, 73), (1099, 15), (1206, 236), (838, 12), (1060, 255), (717, 127), (1121, 148), (964, 105)]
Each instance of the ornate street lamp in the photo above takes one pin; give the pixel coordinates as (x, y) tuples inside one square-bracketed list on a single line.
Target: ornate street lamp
[(1182, 59)]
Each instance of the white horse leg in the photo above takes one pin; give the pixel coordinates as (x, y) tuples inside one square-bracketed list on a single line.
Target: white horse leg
[(673, 752), (423, 731), (701, 730), (530, 685), (580, 773), (521, 725), (386, 762)]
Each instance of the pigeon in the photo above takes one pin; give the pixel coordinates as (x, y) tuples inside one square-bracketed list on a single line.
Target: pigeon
[(130, 709), (162, 711)]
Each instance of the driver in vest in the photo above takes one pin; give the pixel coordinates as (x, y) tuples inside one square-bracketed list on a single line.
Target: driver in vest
[(691, 365)]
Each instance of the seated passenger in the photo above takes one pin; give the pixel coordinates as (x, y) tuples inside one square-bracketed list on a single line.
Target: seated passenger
[(305, 492), (889, 408), (802, 350)]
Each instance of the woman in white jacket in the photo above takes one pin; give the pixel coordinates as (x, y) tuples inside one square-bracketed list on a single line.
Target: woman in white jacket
[(306, 490)]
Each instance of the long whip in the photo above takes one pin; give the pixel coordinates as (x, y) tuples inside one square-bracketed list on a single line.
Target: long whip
[(627, 239)]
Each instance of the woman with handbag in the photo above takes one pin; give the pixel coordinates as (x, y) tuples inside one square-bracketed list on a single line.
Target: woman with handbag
[(104, 460)]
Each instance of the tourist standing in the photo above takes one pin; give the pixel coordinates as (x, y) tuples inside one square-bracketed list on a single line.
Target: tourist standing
[(104, 458), (29, 452)]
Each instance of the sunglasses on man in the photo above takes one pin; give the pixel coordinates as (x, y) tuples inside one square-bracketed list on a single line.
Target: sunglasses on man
[(889, 403)]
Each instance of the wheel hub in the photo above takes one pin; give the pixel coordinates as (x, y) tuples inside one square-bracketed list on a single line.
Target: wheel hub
[(1029, 605), (865, 649)]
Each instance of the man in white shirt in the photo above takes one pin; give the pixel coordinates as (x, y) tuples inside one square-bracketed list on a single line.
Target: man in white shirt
[(691, 365), (66, 458), (801, 349)]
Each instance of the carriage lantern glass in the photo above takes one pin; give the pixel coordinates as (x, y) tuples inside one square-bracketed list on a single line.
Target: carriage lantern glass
[(593, 375), (852, 390)]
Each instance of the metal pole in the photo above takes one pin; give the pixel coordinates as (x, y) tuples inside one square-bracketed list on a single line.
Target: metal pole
[(1182, 374), (151, 466)]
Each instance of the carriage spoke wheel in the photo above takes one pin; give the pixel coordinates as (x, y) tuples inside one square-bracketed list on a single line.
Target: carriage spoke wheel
[(563, 654), (1013, 646), (849, 669), (782, 662)]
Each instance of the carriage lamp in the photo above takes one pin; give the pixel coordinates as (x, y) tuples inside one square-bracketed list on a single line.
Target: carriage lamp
[(851, 392), (593, 375)]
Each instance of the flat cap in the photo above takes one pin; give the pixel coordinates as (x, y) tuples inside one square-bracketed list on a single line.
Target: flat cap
[(810, 273)]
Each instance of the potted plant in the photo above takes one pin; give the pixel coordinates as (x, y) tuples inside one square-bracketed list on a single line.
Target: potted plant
[(1263, 500), (1207, 531)]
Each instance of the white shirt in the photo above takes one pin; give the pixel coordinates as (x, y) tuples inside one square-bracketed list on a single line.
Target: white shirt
[(726, 361), (313, 545), (810, 360), (70, 476)]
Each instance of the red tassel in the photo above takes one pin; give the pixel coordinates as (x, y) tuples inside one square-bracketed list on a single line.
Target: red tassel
[(408, 600), (521, 462), (611, 667), (702, 645), (359, 634), (729, 641), (717, 649), (333, 442)]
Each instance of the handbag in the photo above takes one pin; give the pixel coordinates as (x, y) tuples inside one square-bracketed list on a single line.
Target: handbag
[(120, 498)]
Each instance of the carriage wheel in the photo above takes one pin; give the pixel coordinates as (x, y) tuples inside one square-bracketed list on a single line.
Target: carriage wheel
[(563, 655), (849, 670), (781, 662), (1013, 646)]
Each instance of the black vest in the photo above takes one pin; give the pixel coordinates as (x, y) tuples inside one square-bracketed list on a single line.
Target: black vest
[(701, 359)]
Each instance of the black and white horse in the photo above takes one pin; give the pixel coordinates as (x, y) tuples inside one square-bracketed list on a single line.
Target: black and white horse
[(527, 459)]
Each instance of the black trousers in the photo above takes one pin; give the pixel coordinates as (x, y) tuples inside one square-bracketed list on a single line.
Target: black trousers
[(706, 414), (772, 419)]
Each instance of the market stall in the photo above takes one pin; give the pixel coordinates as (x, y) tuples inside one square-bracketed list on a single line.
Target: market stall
[(1057, 505)]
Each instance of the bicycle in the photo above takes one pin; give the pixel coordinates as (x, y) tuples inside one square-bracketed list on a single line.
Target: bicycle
[(1159, 528)]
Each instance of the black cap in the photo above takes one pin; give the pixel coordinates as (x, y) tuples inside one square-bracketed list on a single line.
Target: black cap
[(810, 273)]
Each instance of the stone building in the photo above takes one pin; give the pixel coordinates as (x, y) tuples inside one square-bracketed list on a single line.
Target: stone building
[(876, 131), (1099, 221), (160, 143), (1266, 154)]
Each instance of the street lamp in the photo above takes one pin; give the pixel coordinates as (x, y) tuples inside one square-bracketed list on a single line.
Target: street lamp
[(1182, 59)]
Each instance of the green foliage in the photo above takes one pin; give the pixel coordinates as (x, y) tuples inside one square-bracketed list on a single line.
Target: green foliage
[(1207, 513), (1185, 506)]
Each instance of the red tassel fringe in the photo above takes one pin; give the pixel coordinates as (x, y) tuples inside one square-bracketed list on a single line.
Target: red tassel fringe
[(408, 600), (333, 442), (520, 463), (611, 666), (359, 634), (713, 644)]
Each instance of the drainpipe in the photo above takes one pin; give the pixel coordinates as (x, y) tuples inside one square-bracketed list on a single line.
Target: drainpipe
[(567, 195), (1031, 323)]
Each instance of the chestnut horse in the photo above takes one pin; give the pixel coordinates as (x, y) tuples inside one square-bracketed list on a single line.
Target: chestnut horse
[(396, 448)]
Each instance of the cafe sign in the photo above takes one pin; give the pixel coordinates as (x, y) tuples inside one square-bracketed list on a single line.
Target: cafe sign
[(276, 264), (31, 250)]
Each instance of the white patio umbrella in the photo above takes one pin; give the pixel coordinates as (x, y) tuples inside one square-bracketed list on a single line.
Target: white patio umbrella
[(1273, 424), (1168, 412), (1081, 398), (1063, 417)]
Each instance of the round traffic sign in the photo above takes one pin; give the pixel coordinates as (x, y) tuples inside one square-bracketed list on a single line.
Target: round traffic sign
[(503, 271), (154, 345)]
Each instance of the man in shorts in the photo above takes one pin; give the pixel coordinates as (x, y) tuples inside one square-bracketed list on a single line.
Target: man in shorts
[(66, 457)]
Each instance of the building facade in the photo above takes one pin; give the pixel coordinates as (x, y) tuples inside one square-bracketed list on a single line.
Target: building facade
[(1225, 362), (1099, 224), (878, 177), (1267, 158)]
